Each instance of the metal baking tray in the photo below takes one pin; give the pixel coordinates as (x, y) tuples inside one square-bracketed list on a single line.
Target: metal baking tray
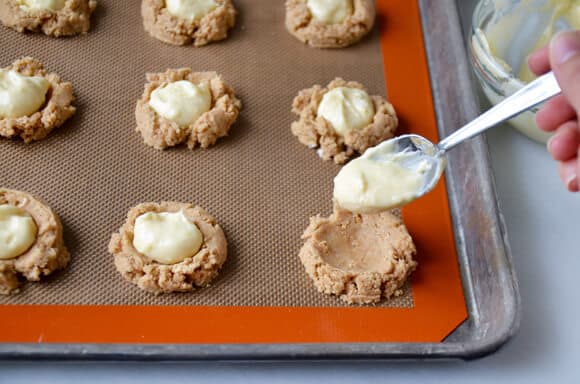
[(489, 283)]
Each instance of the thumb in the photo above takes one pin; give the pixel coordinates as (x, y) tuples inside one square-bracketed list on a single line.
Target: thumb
[(565, 62)]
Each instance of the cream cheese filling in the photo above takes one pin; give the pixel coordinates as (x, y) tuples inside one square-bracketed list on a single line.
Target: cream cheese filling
[(49, 5), (190, 9), (18, 231), (181, 102), (346, 109), (330, 11), (21, 95), (166, 237), (378, 181)]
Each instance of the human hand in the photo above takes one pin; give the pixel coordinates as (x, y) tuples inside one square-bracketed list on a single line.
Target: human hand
[(560, 114)]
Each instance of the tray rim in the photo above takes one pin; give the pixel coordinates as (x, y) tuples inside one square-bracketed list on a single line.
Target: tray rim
[(450, 41)]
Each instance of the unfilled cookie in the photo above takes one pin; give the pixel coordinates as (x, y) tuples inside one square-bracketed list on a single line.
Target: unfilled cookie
[(167, 274), (183, 22), (42, 253), (161, 132), (53, 18), (375, 122), (53, 96), (361, 258), (329, 24)]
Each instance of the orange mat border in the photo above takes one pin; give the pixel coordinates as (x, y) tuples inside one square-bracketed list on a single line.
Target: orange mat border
[(437, 290)]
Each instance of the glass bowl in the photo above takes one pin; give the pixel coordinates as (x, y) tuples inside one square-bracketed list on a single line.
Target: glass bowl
[(503, 34)]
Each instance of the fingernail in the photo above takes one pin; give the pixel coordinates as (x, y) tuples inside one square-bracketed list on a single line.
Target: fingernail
[(564, 46), (572, 183)]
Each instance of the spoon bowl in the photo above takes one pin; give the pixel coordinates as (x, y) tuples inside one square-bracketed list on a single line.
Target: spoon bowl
[(416, 154)]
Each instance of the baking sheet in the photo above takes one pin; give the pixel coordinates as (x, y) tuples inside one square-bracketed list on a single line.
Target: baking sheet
[(260, 183)]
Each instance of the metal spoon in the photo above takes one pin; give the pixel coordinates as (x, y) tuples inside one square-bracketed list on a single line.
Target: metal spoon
[(413, 151)]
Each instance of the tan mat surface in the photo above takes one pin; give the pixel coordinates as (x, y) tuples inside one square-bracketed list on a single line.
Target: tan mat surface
[(260, 183)]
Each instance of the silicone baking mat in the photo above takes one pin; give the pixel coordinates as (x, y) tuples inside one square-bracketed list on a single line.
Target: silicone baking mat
[(260, 183)]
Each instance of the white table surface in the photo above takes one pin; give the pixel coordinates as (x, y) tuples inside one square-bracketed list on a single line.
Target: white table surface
[(544, 229)]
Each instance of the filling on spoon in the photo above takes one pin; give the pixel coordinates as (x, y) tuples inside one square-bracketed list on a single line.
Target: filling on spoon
[(381, 179)]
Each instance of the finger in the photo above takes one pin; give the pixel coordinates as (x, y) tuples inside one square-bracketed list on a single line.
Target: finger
[(565, 62), (569, 174), (539, 61), (563, 146), (554, 113)]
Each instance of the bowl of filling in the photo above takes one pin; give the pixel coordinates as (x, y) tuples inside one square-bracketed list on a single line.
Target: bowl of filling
[(503, 34)]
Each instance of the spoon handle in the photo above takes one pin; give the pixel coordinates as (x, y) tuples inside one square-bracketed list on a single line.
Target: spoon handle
[(531, 95)]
